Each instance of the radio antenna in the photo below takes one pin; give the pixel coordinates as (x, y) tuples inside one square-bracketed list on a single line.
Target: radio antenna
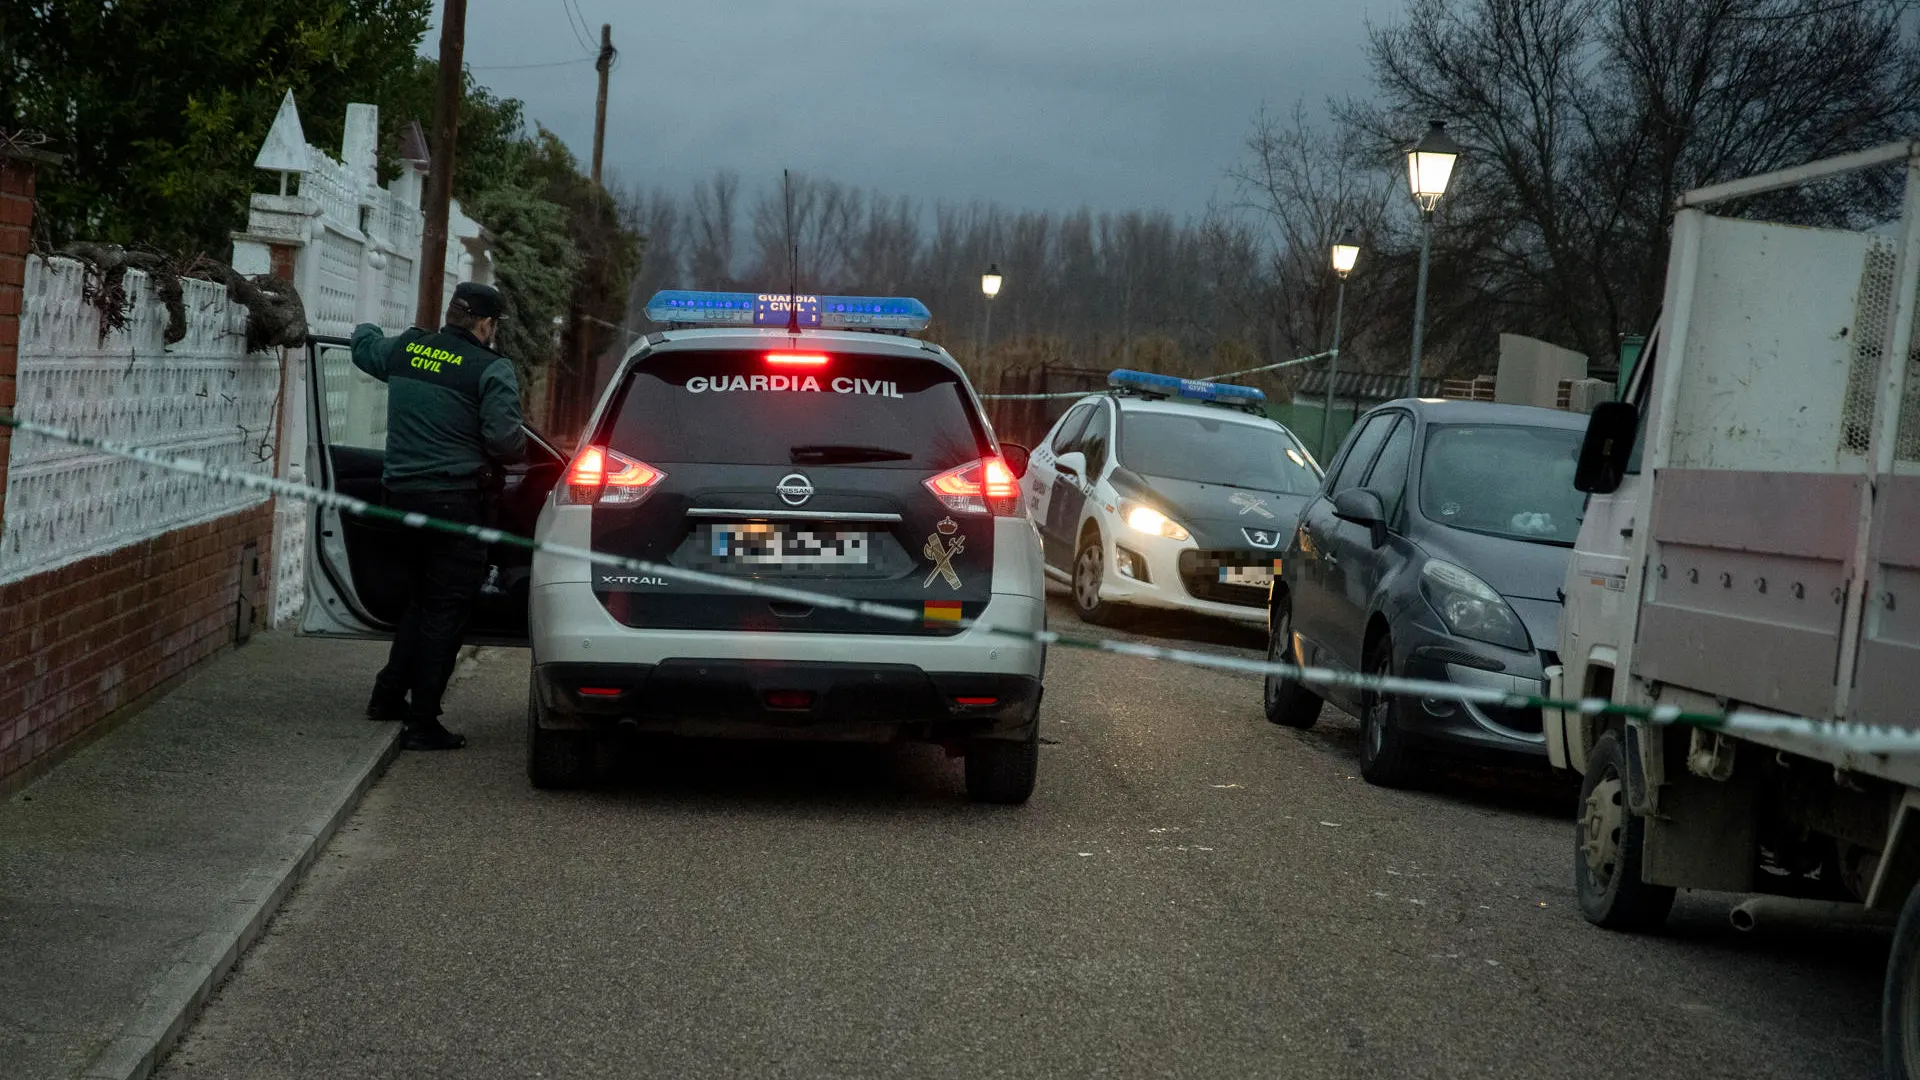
[(793, 258)]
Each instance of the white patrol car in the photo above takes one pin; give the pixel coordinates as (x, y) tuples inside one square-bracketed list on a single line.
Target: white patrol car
[(842, 457), (1168, 493), (847, 461)]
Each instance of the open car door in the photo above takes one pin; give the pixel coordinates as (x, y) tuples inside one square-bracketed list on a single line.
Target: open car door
[(355, 587)]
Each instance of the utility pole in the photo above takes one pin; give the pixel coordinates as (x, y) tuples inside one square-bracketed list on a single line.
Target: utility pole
[(563, 402), (604, 63), (446, 129)]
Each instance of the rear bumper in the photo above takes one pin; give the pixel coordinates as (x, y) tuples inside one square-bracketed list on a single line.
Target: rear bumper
[(715, 683), (787, 699)]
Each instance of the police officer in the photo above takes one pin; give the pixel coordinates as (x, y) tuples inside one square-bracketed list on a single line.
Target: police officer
[(453, 419)]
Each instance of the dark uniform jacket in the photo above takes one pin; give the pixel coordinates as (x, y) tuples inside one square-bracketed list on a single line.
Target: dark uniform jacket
[(453, 406)]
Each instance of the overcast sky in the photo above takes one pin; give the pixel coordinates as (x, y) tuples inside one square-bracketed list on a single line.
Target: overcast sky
[(1041, 104)]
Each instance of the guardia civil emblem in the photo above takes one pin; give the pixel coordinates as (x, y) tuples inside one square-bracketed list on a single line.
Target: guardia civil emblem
[(1249, 504), (941, 551)]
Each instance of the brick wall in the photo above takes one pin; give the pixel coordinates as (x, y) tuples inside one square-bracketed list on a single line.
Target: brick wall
[(16, 222), (82, 642)]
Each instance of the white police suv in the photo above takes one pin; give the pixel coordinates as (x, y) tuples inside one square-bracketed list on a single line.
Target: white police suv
[(1168, 493), (821, 449)]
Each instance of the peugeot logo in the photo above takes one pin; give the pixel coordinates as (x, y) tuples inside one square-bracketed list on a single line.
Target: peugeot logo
[(1265, 538), (794, 489)]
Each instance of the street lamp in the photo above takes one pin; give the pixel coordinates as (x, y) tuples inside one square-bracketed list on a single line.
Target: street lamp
[(989, 288), (1346, 252), (1429, 167)]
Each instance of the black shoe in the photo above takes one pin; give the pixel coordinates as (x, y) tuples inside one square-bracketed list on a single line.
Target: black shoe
[(429, 735)]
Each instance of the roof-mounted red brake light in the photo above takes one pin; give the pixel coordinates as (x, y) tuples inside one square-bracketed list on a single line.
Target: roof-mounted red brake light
[(787, 359), (986, 486), (608, 477)]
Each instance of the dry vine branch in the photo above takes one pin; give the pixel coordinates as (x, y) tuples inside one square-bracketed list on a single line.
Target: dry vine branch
[(275, 315)]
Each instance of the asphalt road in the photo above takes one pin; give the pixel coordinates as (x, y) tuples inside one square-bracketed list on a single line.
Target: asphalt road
[(1192, 893)]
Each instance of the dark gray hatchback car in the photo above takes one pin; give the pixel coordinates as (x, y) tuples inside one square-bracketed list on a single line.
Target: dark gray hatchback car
[(1435, 549)]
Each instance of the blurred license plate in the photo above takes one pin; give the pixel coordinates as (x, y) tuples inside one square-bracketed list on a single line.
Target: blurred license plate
[(787, 545), (1258, 576)]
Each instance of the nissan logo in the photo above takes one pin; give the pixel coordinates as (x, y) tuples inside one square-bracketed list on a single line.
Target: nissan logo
[(794, 489)]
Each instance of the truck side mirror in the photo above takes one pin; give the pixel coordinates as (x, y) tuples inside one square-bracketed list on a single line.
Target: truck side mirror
[(1608, 447), (1016, 457)]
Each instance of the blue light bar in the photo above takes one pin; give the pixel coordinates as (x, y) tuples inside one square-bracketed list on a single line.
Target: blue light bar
[(686, 307), (873, 313), (707, 308), (1146, 382)]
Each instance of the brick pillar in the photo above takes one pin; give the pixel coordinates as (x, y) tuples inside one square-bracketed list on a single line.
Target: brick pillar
[(16, 226), (283, 260)]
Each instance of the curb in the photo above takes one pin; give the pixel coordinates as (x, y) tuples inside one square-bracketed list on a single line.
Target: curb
[(175, 1002)]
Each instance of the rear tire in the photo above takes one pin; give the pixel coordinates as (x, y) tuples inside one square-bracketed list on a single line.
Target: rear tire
[(1900, 1003), (556, 760), (1607, 840), (1003, 770), (1385, 758), (1289, 703), (1089, 573)]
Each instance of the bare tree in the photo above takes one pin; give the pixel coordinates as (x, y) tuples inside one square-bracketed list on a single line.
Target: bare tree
[(712, 224), (1583, 119), (1082, 290), (655, 216)]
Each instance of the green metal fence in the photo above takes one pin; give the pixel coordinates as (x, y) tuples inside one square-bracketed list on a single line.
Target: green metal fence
[(1308, 423)]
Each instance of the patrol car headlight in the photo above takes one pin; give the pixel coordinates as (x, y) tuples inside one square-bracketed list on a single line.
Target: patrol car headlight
[(1146, 519), (1470, 607)]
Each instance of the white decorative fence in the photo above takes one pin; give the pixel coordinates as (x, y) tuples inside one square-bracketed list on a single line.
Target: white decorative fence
[(203, 397), (353, 247)]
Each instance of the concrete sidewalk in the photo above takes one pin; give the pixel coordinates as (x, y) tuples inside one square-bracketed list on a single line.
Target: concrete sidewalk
[(133, 875)]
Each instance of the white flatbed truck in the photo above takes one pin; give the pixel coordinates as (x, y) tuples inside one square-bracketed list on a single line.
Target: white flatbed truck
[(1752, 542)]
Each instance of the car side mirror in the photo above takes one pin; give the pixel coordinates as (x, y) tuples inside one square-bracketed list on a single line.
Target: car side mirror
[(1607, 448), (1363, 507), (1072, 463), (1016, 457)]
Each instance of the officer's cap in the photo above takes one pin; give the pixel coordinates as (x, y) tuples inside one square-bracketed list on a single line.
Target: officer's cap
[(477, 300)]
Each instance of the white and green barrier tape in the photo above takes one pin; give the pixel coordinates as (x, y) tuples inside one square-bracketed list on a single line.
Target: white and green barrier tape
[(1865, 738)]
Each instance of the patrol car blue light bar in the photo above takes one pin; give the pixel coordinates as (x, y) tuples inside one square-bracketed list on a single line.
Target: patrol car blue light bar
[(1146, 382), (686, 307)]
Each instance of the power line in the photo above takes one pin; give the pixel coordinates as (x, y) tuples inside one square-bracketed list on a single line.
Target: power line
[(582, 30), (514, 67)]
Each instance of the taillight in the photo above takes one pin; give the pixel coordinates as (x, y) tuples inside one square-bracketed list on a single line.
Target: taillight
[(787, 359), (608, 477), (986, 486)]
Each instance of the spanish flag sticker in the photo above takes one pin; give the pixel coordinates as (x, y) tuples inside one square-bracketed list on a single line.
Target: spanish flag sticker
[(939, 611)]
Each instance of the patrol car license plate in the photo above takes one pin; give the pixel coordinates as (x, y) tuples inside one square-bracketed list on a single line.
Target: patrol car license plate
[(1256, 576), (786, 545)]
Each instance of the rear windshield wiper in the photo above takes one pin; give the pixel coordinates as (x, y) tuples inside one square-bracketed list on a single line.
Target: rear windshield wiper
[(837, 454)]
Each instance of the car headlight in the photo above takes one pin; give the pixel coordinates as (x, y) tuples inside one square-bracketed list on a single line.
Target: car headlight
[(1470, 607), (1146, 519)]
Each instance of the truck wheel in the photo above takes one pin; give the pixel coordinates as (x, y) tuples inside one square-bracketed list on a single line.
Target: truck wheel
[(1289, 703), (1385, 758), (1900, 1002), (1606, 848), (1089, 571), (1003, 770), (556, 760)]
